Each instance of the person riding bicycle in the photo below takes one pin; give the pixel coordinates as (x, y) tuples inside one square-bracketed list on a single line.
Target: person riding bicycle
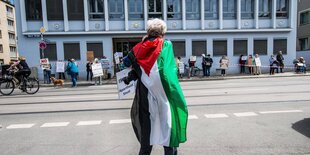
[(23, 69)]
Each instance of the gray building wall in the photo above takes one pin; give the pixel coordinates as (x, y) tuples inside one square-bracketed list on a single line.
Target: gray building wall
[(303, 31)]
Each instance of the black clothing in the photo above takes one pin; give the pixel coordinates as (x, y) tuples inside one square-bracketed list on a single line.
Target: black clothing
[(22, 65)]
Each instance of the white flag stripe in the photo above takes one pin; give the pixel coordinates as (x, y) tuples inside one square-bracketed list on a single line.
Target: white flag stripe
[(245, 114), (276, 112), (20, 126), (192, 117), (55, 124), (81, 123), (216, 115), (120, 121)]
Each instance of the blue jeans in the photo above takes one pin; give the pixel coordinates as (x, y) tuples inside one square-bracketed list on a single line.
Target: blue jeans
[(207, 72), (73, 78)]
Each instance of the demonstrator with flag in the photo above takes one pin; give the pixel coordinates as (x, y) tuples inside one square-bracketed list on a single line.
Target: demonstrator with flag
[(159, 112)]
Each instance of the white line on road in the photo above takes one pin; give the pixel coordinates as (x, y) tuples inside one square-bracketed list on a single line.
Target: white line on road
[(276, 112), (82, 123), (20, 126), (192, 117), (55, 124), (216, 115), (120, 121), (245, 114)]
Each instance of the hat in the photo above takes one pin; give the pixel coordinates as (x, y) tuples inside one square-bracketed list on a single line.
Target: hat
[(203, 55)]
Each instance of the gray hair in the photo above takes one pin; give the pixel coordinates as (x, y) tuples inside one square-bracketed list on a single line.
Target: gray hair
[(156, 27)]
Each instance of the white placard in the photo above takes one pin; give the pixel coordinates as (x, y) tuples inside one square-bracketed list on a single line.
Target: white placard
[(258, 62), (192, 58), (181, 68), (44, 61), (244, 58), (97, 70), (105, 63), (116, 58), (123, 89), (60, 67)]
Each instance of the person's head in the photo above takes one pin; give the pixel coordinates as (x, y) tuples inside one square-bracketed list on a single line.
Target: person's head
[(280, 52), (203, 55), (96, 60), (271, 56), (256, 55), (156, 28), (179, 58), (250, 56), (72, 60), (208, 55), (21, 58), (241, 55)]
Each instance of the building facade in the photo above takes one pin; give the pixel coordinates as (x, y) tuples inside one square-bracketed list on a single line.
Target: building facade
[(303, 25), (8, 50), (216, 27)]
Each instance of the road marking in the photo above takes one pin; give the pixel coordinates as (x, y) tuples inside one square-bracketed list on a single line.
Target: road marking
[(276, 112), (245, 114), (216, 115), (20, 126), (120, 121), (55, 124), (81, 123), (192, 117)]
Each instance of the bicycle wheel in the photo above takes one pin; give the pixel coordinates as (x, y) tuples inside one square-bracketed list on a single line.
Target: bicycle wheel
[(7, 87), (32, 86)]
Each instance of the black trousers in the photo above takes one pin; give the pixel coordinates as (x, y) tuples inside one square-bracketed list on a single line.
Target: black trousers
[(146, 150), (89, 75)]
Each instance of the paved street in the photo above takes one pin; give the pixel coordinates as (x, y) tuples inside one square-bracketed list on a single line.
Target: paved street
[(237, 116)]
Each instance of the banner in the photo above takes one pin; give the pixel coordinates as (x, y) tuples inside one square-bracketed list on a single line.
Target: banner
[(123, 89), (258, 62), (97, 70), (60, 67)]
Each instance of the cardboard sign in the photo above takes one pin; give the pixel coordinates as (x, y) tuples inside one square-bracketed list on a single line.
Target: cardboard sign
[(123, 89), (244, 58), (90, 56), (258, 62), (192, 58), (60, 67), (44, 61), (97, 70), (105, 63), (181, 68)]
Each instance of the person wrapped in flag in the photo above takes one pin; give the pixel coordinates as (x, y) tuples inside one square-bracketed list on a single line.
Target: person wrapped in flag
[(159, 111)]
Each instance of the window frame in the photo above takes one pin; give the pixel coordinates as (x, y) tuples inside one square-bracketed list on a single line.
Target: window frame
[(250, 14), (96, 55), (211, 7), (155, 13), (196, 13), (14, 49), (133, 14), (1, 48), (197, 52), (306, 41), (57, 7), (54, 52), (276, 49), (79, 50), (261, 7), (236, 48), (265, 40), (77, 14), (183, 42), (37, 5), (280, 12), (300, 17), (214, 49), (112, 14), (178, 7), (92, 14)]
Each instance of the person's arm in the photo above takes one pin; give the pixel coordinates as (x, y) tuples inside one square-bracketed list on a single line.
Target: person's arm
[(14, 65)]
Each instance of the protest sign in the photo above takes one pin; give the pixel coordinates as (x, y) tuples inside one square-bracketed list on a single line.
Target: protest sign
[(181, 68), (60, 67), (258, 62), (123, 89), (192, 58), (105, 63), (97, 70), (44, 63), (90, 56), (244, 58)]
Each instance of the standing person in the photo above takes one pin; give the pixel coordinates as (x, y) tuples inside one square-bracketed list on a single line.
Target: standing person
[(159, 112), (257, 64), (209, 62), (191, 65), (89, 71), (47, 74), (280, 60), (302, 62), (98, 80), (203, 64), (273, 64), (242, 64), (224, 65), (250, 64), (73, 71), (180, 66)]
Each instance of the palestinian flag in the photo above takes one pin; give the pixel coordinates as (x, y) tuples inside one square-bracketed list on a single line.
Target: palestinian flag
[(159, 112)]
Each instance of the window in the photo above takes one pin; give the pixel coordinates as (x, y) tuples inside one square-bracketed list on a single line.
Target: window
[(174, 9), (50, 52), (72, 50), (229, 9), (199, 47), (54, 9), (96, 48), (220, 47), (1, 48), (260, 47), (264, 8), (0, 34), (247, 9), (240, 47), (96, 9), (280, 45), (282, 8), (116, 9), (33, 9), (75, 9), (9, 9), (10, 22), (1, 61), (135, 9), (179, 48), (211, 9), (192, 9), (304, 44), (305, 18), (12, 49), (155, 9)]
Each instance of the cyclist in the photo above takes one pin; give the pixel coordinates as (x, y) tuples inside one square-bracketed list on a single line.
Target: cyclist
[(23, 69)]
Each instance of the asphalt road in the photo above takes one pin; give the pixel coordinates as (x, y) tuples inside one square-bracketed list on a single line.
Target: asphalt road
[(241, 116)]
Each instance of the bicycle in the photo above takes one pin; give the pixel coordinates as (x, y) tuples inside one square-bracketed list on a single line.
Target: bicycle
[(8, 83)]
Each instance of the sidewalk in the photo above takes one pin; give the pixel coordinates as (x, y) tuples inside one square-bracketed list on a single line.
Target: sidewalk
[(186, 79)]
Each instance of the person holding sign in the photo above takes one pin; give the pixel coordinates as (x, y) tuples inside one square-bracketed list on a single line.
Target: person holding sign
[(224, 65), (257, 64), (159, 112), (242, 61), (73, 71)]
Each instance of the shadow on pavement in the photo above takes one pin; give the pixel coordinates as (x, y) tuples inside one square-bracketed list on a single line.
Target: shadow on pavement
[(303, 127)]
